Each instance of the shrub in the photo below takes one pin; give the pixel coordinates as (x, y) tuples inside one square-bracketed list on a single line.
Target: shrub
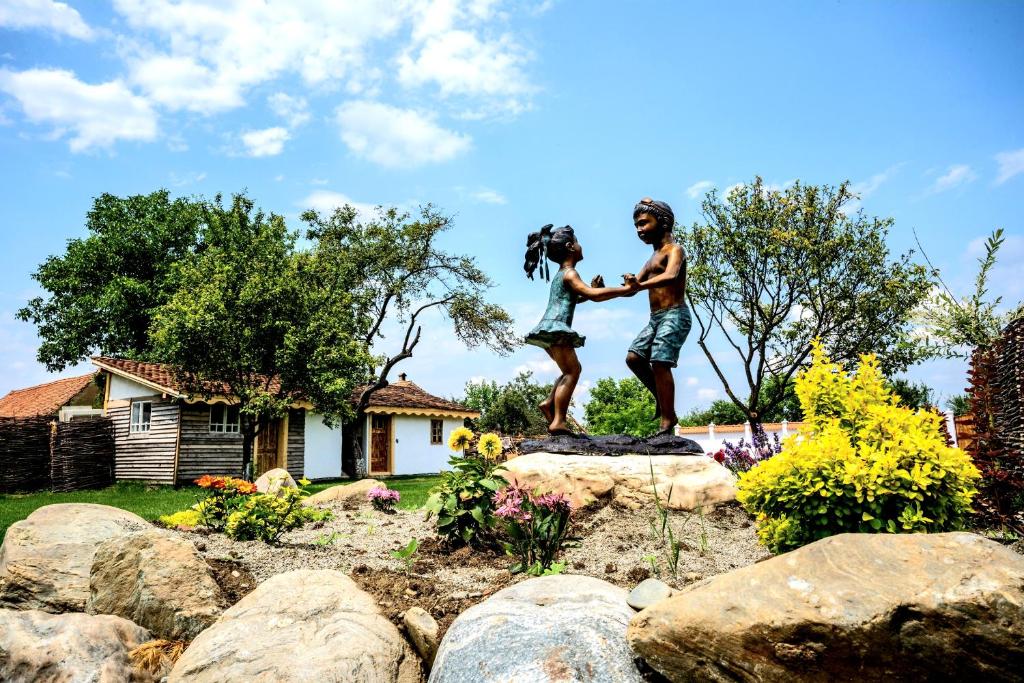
[(189, 518), (265, 517), (866, 465), (225, 494), (535, 527), (383, 499), (463, 500)]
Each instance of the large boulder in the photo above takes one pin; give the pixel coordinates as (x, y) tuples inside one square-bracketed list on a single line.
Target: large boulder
[(272, 481), (344, 493), (38, 647), (692, 480), (865, 607), (303, 625), (543, 630), (46, 558), (158, 581)]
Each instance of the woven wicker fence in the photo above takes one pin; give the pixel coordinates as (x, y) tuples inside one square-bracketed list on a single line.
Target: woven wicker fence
[(24, 454), (39, 453), (82, 455), (1009, 387)]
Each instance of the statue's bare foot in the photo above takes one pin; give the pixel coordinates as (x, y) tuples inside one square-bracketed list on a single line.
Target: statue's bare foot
[(561, 431), (668, 427), (547, 411)]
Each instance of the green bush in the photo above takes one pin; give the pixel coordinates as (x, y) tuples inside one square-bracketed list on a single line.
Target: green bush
[(866, 465), (463, 500), (265, 517)]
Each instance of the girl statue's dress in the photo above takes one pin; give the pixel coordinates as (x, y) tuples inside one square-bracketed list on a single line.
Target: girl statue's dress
[(555, 328)]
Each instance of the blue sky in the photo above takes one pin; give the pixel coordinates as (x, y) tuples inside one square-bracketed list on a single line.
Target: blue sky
[(511, 115)]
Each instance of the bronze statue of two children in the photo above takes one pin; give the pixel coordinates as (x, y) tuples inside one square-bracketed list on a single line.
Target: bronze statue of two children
[(655, 351)]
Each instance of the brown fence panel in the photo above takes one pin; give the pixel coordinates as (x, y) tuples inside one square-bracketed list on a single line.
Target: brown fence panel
[(82, 455), (964, 431), (24, 454)]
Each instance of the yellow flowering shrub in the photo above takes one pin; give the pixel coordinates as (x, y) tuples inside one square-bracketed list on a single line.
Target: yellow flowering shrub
[(866, 464)]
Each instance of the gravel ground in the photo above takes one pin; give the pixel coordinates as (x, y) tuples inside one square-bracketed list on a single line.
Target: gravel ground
[(614, 544)]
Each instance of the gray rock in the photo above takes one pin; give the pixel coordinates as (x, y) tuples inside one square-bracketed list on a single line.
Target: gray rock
[(853, 607), (46, 558), (158, 581), (648, 592), (553, 628), (304, 625), (38, 647), (423, 631), (613, 444)]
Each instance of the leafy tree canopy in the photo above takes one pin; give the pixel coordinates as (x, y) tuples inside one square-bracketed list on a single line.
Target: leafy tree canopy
[(725, 412), (510, 408), (911, 394), (102, 292), (620, 407), (771, 270)]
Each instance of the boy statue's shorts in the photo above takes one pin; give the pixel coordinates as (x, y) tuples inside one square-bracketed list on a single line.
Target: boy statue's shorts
[(661, 340)]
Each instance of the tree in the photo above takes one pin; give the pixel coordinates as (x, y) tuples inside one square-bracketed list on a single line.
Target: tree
[(249, 318), (955, 326), (510, 408), (620, 407), (772, 270), (725, 412), (911, 394), (103, 291), (393, 270)]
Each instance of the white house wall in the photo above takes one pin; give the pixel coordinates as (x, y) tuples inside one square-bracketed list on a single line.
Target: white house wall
[(414, 454), (123, 388), (323, 448)]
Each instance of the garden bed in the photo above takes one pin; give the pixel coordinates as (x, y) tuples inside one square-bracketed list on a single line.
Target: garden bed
[(613, 543)]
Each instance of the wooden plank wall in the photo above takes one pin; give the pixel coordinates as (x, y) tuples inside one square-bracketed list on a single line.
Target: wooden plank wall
[(205, 452), (297, 443), (145, 456)]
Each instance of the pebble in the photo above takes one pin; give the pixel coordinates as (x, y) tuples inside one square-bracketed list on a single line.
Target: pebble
[(648, 592), (690, 577), (234, 573)]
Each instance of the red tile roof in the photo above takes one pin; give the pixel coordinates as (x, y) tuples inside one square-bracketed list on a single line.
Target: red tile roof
[(43, 399), (161, 375), (406, 394)]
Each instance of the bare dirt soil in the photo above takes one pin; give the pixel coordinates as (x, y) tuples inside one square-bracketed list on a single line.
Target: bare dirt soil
[(616, 544)]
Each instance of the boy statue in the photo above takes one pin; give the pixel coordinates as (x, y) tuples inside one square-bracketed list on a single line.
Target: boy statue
[(655, 351)]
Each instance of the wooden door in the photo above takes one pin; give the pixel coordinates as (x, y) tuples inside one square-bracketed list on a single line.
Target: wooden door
[(266, 448), (380, 443)]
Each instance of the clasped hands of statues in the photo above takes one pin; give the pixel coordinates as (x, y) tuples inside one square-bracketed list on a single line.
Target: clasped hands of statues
[(628, 280)]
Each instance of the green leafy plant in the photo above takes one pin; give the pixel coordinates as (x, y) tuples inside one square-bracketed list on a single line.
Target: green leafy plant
[(702, 538), (224, 496), (865, 465), (536, 527), (463, 500), (266, 517), (652, 560), (328, 539), (406, 554), (186, 518)]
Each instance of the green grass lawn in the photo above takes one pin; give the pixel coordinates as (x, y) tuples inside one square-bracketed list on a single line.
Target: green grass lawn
[(150, 502)]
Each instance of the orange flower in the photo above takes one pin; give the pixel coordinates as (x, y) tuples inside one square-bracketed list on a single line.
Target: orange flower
[(245, 486), (205, 481)]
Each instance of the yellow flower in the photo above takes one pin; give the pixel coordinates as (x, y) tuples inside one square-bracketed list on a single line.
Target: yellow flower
[(460, 439), (489, 446)]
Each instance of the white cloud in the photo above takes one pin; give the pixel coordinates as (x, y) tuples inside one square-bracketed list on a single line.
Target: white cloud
[(957, 175), (94, 115), (47, 14), (295, 110), (326, 202), (186, 178), (182, 83), (699, 188), (488, 196), (707, 394), (541, 369), (866, 188), (265, 143), (1010, 163), (692, 381), (397, 138), (729, 190), (459, 63), (600, 322)]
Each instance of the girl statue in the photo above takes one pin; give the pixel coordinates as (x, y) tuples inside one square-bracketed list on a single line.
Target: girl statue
[(554, 332)]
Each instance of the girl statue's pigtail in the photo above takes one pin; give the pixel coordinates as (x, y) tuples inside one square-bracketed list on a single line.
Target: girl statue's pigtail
[(536, 251)]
